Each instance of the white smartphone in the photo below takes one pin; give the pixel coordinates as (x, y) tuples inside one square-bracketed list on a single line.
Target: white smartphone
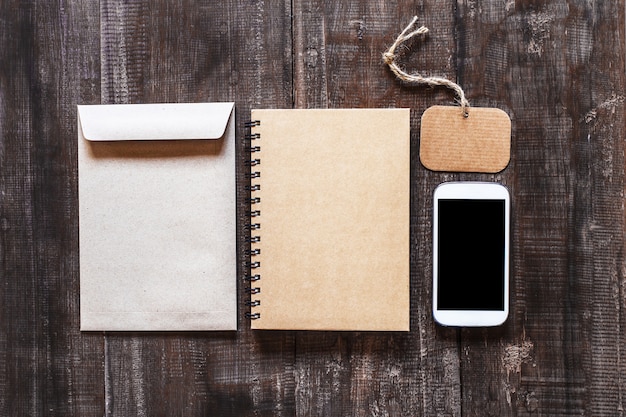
[(471, 254)]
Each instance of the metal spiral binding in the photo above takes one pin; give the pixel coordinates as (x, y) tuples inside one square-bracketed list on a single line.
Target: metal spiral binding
[(252, 123), (254, 214)]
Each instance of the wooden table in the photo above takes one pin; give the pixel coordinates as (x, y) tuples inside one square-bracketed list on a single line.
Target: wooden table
[(557, 68)]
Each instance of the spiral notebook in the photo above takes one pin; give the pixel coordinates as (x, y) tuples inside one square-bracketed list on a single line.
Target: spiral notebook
[(329, 212)]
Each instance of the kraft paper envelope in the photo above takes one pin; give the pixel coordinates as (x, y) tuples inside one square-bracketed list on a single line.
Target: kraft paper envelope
[(157, 217)]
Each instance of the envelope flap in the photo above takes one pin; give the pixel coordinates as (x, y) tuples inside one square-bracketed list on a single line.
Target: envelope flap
[(170, 121)]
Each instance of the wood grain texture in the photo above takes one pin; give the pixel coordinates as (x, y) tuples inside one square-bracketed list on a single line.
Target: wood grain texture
[(49, 60), (552, 67), (556, 67)]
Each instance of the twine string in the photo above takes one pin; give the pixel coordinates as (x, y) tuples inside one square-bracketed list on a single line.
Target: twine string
[(390, 59)]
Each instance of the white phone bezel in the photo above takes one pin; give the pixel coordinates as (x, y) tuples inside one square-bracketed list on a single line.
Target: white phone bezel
[(472, 191)]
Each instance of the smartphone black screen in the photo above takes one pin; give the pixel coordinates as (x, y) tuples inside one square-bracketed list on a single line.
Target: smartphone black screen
[(471, 247)]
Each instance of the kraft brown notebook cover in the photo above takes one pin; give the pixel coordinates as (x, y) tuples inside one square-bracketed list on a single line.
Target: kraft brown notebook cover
[(330, 219)]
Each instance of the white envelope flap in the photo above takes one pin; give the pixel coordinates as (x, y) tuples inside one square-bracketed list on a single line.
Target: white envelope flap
[(166, 121)]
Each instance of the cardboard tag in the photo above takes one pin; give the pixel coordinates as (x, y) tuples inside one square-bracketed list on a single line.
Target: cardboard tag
[(480, 142)]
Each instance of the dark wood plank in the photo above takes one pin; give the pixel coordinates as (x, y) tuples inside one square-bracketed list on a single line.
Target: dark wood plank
[(184, 51), (556, 67), (338, 50), (49, 62), (553, 67)]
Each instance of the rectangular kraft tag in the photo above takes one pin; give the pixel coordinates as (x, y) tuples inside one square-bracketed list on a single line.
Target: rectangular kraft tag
[(480, 142)]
